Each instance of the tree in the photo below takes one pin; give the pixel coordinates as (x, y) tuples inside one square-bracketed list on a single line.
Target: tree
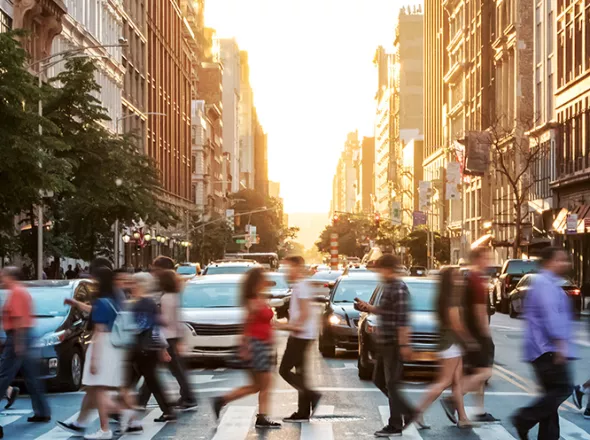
[(211, 239), (269, 221), (514, 155), (416, 243), (110, 178), (354, 233), (29, 161)]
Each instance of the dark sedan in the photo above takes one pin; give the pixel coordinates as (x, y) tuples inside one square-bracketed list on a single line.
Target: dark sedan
[(323, 282), (425, 333), (517, 296), (340, 319), (61, 333)]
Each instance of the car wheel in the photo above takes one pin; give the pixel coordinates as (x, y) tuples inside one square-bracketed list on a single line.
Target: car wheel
[(74, 378), (504, 306), (365, 373), (512, 312)]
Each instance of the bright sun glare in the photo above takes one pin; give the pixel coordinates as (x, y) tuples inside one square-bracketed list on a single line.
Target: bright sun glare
[(313, 79)]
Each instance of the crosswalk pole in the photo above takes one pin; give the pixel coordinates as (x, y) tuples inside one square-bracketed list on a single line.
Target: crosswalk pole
[(334, 251)]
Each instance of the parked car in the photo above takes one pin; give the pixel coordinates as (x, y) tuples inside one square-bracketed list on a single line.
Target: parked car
[(339, 324), (61, 333), (281, 292), (425, 334), (224, 267), (213, 315), (188, 270), (323, 282), (511, 273), (418, 271), (518, 295)]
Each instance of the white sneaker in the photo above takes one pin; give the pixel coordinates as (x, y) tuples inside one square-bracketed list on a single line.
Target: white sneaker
[(100, 435)]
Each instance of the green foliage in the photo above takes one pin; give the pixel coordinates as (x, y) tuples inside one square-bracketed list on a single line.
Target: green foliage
[(354, 232), (211, 239), (29, 162), (416, 242), (269, 224)]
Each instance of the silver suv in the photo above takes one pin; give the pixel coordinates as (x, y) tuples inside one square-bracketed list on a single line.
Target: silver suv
[(224, 267)]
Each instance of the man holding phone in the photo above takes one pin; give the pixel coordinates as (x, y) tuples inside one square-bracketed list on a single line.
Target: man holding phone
[(393, 336)]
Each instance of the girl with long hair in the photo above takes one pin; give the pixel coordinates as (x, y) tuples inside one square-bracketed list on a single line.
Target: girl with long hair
[(453, 335), (257, 349)]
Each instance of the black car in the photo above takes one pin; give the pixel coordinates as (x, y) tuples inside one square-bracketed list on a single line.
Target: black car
[(425, 334), (517, 296), (61, 333), (510, 274), (322, 282), (340, 318)]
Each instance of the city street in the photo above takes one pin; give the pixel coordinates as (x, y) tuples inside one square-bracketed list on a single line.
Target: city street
[(350, 409)]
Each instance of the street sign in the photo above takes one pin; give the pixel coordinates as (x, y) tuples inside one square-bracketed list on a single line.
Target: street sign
[(252, 233), (396, 213), (419, 218), (572, 223), (241, 241), (229, 216)]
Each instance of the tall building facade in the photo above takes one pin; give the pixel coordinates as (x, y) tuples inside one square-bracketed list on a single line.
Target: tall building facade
[(468, 79), (435, 100), (93, 24), (346, 182), (246, 124), (261, 182), (230, 59), (571, 187), (367, 174), (169, 83), (134, 99), (411, 173)]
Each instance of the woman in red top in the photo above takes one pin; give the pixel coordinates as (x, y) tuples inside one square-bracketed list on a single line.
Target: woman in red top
[(256, 349)]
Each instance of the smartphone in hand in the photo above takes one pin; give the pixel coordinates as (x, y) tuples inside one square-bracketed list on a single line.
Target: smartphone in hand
[(357, 305)]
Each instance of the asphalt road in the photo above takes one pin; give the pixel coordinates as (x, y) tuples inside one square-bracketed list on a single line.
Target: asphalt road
[(350, 408)]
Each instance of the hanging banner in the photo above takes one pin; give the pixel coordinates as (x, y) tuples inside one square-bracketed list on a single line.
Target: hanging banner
[(424, 195), (419, 218), (477, 153), (396, 213), (571, 224)]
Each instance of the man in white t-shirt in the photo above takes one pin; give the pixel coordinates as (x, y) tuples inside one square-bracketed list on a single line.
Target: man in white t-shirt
[(304, 319)]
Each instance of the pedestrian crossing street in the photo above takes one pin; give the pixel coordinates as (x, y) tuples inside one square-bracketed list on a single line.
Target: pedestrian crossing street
[(237, 423)]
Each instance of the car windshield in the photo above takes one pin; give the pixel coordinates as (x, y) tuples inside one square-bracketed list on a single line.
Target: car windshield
[(280, 280), (326, 276), (187, 270), (422, 296), (211, 295), (492, 271), (348, 290), (522, 266), (224, 270), (47, 301)]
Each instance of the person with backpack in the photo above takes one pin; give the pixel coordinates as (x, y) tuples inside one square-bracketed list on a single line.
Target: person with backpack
[(452, 335), (103, 369), (150, 346)]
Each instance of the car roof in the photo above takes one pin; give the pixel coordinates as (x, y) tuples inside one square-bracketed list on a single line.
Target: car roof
[(234, 263), (217, 279), (419, 280), (360, 275)]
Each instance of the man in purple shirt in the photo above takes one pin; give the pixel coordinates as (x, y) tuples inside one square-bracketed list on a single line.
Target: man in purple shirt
[(547, 346)]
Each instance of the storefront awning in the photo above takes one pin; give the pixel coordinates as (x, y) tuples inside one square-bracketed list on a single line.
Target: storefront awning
[(484, 240), (560, 223)]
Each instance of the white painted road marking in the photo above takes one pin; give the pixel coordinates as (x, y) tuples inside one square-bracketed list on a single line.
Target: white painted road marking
[(150, 428), (409, 433), (322, 430), (7, 420), (492, 431), (57, 433), (569, 431), (367, 390), (235, 423)]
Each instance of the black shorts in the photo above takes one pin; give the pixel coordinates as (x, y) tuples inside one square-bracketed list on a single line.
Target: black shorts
[(484, 357)]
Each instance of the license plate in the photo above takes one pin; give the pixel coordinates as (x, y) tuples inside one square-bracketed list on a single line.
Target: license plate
[(424, 356)]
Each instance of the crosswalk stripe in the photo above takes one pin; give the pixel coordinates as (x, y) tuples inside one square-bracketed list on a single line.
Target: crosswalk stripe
[(7, 420), (409, 433), (58, 433), (150, 428), (316, 431), (235, 423), (570, 431), (491, 431)]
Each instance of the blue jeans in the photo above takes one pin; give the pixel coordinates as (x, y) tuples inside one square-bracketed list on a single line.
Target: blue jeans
[(10, 364)]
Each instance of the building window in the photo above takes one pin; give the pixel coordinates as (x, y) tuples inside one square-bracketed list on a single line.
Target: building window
[(5, 22)]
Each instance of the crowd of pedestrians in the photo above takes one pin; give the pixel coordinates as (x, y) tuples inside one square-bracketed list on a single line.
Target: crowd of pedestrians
[(136, 327)]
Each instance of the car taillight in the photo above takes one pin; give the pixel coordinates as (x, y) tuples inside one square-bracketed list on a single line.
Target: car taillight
[(507, 280), (371, 329), (575, 292)]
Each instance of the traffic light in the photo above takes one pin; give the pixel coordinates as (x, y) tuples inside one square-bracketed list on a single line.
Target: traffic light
[(377, 220)]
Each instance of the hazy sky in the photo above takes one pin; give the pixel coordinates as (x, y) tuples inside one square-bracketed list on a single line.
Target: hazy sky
[(313, 79)]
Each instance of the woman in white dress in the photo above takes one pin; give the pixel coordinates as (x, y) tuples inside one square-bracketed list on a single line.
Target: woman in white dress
[(103, 369)]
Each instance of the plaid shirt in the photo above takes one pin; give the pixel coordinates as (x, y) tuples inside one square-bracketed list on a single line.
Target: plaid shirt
[(393, 311)]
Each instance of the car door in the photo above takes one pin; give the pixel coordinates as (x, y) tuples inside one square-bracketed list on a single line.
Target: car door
[(519, 292), (81, 320)]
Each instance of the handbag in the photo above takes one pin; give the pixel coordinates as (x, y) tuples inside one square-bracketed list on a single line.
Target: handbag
[(151, 339)]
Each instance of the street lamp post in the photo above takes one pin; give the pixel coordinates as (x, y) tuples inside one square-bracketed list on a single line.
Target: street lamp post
[(43, 66)]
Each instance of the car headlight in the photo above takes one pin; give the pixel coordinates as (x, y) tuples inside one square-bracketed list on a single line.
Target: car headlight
[(371, 329), (336, 320), (50, 339)]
